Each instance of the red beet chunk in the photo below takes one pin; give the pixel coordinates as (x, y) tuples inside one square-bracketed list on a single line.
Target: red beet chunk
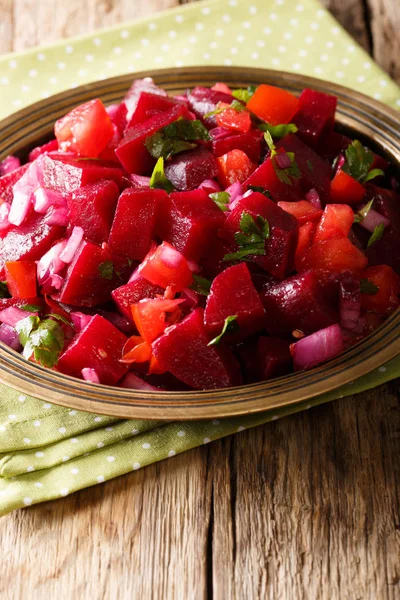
[(131, 99), (92, 208), (183, 350), (187, 170), (98, 346), (300, 302), (134, 222), (28, 241), (149, 105), (51, 146), (133, 292), (204, 100), (7, 181), (233, 293), (273, 358), (316, 115), (190, 222), (280, 248), (250, 143), (332, 144), (92, 275), (265, 177), (65, 174), (315, 172), (132, 153)]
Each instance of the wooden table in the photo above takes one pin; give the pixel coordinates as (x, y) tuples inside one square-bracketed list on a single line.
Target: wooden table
[(304, 508)]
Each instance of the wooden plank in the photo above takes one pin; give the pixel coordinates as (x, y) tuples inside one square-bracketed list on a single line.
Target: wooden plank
[(352, 16), (6, 26), (385, 27)]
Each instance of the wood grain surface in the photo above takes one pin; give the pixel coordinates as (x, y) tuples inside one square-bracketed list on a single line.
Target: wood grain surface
[(303, 508)]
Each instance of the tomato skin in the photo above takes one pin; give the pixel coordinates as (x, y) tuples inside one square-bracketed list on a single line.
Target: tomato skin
[(335, 256), (85, 130), (272, 104), (386, 300), (303, 211), (165, 266), (345, 189), (336, 222), (136, 350), (221, 87), (234, 166), (150, 316), (21, 278), (235, 120), (306, 234)]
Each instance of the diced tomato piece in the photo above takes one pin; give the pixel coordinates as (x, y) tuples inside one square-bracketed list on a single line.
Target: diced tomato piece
[(303, 211), (306, 234), (156, 367), (334, 255), (249, 143), (265, 177), (335, 222), (233, 119), (221, 87), (150, 316), (273, 104), (136, 350), (21, 278), (85, 130), (387, 298), (165, 266), (234, 166), (345, 189)]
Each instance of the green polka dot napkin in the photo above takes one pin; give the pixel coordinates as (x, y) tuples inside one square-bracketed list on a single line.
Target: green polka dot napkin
[(48, 451)]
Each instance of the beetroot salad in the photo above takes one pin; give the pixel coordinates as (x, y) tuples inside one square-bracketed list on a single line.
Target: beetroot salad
[(201, 241)]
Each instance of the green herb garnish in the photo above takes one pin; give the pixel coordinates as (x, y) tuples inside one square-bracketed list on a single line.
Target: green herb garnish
[(251, 238), (176, 137), (278, 131), (362, 213), (235, 104), (30, 308), (201, 285), (158, 179), (42, 339), (244, 94), (367, 287), (221, 199), (230, 325), (106, 270), (260, 190), (376, 235), (359, 161), (292, 171)]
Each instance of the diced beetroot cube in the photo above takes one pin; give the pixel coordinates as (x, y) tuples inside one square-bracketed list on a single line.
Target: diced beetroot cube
[(204, 100), (280, 248), (332, 144), (51, 146), (316, 115), (183, 350), (300, 302), (233, 293), (28, 241), (92, 208), (149, 105), (98, 346), (132, 292), (250, 143), (7, 181), (265, 177), (132, 153), (134, 222), (213, 262), (65, 174), (315, 172), (190, 222), (187, 170), (131, 99), (273, 357), (92, 275)]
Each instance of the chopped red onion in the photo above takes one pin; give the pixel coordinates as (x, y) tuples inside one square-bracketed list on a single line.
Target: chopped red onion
[(350, 302), (135, 275), (9, 164), (51, 262), (170, 257), (57, 215), (12, 315), (9, 336), (72, 245), (191, 299), (282, 160), (182, 98), (210, 186), (133, 382), (219, 133), (20, 205), (317, 348), (90, 375), (313, 198), (4, 212), (194, 267), (52, 283), (80, 320), (43, 199), (235, 191), (112, 110), (339, 163), (373, 219), (139, 181)]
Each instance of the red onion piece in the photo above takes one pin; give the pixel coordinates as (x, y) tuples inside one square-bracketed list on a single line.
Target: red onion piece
[(9, 164), (12, 315), (191, 299), (282, 160), (80, 320), (52, 283), (72, 245), (43, 199), (350, 303), (235, 191), (210, 186), (339, 163), (139, 181), (170, 257), (90, 375), (9, 336), (112, 110), (219, 133), (373, 219), (51, 262), (317, 348), (57, 215), (20, 205), (182, 98), (4, 212), (133, 382), (313, 198)]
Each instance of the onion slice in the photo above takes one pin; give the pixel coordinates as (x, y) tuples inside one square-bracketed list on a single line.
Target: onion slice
[(373, 219), (9, 336), (317, 348)]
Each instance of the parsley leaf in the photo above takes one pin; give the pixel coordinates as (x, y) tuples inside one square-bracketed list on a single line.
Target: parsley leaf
[(251, 238), (284, 175), (278, 131), (261, 190), (221, 199), (61, 319), (201, 285), (244, 94), (30, 308), (367, 287), (376, 235), (362, 213), (106, 270), (158, 179), (42, 339), (230, 324), (4, 293), (359, 161), (235, 104), (176, 137)]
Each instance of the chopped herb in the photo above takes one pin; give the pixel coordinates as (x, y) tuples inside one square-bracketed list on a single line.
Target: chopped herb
[(362, 213), (201, 285), (244, 253), (106, 270), (270, 143), (285, 175), (221, 199), (244, 94), (376, 235), (251, 238), (359, 161), (310, 166), (367, 287), (60, 318), (261, 190), (230, 324), (176, 137), (158, 145), (278, 131), (4, 293), (158, 179), (42, 339), (235, 104), (30, 308)]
